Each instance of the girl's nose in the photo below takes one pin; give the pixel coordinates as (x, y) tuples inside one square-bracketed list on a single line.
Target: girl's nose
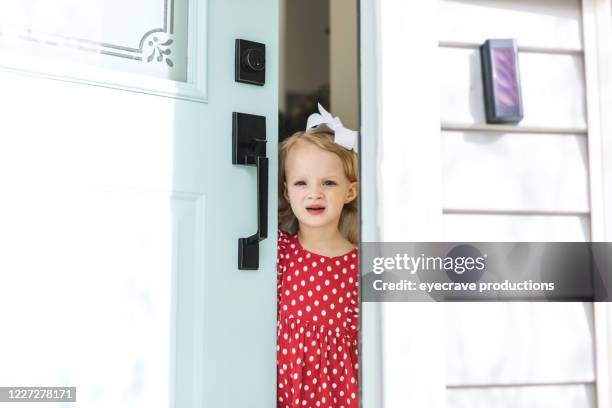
[(314, 193)]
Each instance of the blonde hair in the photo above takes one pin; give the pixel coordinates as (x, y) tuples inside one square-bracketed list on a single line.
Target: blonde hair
[(323, 139)]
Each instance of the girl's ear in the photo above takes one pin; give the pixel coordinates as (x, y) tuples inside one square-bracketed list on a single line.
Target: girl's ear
[(351, 193)]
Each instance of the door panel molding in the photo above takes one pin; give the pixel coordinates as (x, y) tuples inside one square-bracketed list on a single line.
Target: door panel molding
[(186, 359)]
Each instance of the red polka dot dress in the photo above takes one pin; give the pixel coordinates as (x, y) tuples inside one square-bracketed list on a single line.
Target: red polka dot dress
[(317, 327)]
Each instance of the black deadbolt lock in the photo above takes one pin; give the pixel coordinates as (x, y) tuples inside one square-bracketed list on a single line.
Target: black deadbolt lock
[(250, 62), (254, 60)]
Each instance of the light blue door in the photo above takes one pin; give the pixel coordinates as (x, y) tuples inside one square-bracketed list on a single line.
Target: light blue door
[(122, 210)]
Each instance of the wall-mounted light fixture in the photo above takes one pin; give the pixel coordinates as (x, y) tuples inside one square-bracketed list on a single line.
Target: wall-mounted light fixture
[(501, 81)]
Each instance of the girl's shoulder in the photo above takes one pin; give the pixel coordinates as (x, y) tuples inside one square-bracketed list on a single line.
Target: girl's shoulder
[(284, 240)]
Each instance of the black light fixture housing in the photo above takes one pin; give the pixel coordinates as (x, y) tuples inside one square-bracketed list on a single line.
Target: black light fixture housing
[(501, 81)]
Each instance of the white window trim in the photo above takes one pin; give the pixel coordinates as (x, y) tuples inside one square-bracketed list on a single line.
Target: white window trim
[(193, 89)]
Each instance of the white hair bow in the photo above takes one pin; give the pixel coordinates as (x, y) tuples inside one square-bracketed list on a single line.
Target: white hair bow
[(346, 138)]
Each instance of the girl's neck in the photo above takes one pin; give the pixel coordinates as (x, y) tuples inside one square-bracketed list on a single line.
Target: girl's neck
[(323, 240)]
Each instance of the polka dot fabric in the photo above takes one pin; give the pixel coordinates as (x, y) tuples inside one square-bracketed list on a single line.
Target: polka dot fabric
[(317, 323)]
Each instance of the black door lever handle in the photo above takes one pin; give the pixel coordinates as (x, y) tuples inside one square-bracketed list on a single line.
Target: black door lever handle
[(248, 248), (249, 148)]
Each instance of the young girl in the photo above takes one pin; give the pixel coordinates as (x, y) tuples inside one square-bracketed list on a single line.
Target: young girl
[(318, 297)]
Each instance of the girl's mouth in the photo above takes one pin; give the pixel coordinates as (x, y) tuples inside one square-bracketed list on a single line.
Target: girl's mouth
[(315, 210)]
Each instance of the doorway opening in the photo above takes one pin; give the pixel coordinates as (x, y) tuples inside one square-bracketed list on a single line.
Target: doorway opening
[(318, 62)]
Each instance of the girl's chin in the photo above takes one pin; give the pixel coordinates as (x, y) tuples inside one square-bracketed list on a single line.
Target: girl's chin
[(314, 220)]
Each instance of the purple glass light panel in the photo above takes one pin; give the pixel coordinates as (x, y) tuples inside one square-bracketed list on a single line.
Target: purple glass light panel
[(504, 78)]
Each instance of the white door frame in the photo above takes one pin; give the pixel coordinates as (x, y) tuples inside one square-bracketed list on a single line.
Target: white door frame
[(369, 100), (597, 37), (403, 359)]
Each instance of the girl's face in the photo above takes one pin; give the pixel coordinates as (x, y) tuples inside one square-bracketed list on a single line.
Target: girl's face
[(316, 186)]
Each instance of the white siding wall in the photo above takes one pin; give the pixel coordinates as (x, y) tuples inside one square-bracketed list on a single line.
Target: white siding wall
[(444, 174), (523, 183)]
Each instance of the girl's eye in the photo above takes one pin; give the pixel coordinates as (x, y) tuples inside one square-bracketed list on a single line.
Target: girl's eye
[(329, 183), (299, 183)]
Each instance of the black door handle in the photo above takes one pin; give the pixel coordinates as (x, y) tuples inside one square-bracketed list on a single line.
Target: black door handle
[(248, 248), (249, 148)]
